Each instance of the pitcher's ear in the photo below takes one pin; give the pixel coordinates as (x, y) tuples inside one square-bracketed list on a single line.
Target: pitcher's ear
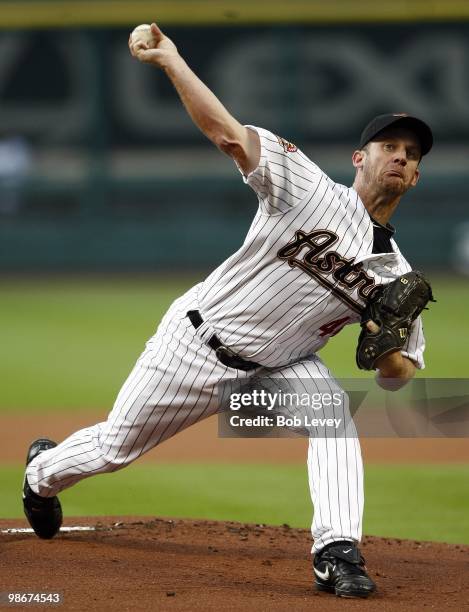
[(357, 158), (415, 178)]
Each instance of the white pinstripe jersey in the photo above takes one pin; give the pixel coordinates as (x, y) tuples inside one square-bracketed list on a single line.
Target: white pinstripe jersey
[(305, 268)]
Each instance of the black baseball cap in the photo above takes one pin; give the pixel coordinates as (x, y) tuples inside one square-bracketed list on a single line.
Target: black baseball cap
[(381, 122)]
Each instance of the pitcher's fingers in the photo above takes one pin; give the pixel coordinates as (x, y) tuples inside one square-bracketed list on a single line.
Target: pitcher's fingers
[(157, 33), (140, 46), (372, 327)]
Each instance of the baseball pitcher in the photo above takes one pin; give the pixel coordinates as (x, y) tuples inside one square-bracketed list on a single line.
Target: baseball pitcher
[(318, 256)]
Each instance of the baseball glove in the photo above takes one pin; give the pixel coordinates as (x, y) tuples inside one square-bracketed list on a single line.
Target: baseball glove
[(393, 307)]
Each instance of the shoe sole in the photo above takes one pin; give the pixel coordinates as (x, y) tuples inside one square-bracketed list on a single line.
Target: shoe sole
[(344, 594)]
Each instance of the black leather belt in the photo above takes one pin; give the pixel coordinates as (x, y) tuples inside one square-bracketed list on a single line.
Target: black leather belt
[(224, 353)]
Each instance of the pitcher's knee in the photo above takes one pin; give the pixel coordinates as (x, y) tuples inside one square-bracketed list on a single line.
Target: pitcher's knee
[(113, 461)]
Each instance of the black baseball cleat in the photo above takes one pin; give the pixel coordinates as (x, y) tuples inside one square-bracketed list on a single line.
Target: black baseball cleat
[(44, 514), (339, 568)]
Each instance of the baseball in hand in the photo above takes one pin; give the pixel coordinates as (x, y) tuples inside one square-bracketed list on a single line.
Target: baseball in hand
[(143, 33)]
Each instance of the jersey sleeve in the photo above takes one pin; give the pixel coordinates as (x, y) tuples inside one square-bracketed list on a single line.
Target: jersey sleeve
[(284, 175), (415, 344)]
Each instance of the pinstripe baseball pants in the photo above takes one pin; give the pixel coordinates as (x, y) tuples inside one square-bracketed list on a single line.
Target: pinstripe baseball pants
[(174, 385)]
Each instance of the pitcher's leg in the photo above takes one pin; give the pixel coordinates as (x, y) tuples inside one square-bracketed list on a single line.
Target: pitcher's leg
[(335, 472), (335, 468), (172, 386)]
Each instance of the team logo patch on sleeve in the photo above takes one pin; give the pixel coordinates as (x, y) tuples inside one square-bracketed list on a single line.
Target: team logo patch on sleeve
[(288, 147)]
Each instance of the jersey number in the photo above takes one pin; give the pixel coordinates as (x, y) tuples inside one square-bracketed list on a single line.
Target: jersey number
[(332, 328)]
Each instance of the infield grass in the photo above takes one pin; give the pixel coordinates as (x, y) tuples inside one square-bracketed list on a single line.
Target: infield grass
[(406, 501)]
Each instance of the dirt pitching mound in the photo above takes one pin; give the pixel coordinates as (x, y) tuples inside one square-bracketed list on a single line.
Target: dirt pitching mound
[(160, 564)]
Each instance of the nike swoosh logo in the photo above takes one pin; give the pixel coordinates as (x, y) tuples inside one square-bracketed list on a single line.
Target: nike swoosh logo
[(322, 575), (346, 551)]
